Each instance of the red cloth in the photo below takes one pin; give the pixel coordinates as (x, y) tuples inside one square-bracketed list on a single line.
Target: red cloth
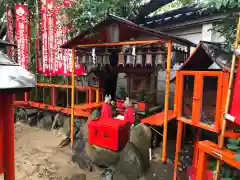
[(192, 172), (235, 110), (106, 111), (129, 115)]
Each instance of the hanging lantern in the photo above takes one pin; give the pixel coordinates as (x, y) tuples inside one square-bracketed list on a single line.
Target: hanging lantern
[(148, 61), (121, 58), (134, 55), (83, 58), (89, 60), (106, 58), (139, 58), (159, 62), (93, 56), (129, 61), (99, 60)]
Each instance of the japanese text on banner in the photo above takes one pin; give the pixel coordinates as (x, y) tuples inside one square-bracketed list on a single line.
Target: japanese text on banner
[(22, 34)]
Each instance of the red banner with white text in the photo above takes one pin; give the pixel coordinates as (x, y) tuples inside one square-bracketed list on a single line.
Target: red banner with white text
[(22, 24), (45, 65), (51, 36), (10, 32), (56, 61)]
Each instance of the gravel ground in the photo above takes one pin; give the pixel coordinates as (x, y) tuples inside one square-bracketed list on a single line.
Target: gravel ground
[(37, 157)]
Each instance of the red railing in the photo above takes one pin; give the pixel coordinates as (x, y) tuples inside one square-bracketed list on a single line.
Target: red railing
[(93, 98)]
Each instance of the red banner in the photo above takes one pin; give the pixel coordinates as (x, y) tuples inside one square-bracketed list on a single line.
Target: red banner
[(59, 65), (39, 62), (55, 33), (46, 65), (10, 32), (51, 36), (22, 34)]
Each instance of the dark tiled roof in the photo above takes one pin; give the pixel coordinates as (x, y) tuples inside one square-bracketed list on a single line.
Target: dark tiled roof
[(132, 27), (150, 7), (188, 12)]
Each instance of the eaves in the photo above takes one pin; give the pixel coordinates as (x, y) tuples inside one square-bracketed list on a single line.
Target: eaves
[(197, 21)]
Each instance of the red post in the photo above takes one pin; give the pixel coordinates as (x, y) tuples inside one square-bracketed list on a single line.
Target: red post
[(178, 148), (7, 114), (1, 138), (26, 97), (196, 151), (53, 96), (202, 166), (87, 96), (90, 96)]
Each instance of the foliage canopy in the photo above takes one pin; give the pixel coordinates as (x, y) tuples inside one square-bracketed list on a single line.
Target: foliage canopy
[(227, 27)]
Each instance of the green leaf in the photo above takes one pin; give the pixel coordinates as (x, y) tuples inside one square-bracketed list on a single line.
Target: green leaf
[(218, 4), (225, 3)]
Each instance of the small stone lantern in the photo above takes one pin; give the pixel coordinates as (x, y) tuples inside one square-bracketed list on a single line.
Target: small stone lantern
[(13, 79)]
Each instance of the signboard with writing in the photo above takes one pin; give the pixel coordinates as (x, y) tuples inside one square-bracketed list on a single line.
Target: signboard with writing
[(22, 34)]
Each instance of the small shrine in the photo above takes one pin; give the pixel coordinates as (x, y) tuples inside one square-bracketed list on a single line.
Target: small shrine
[(116, 45), (201, 90), (13, 79)]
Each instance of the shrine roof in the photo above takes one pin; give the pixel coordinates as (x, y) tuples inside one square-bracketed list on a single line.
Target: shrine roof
[(128, 30), (13, 76), (205, 55)]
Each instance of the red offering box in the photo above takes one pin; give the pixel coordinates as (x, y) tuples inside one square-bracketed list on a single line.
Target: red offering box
[(109, 133)]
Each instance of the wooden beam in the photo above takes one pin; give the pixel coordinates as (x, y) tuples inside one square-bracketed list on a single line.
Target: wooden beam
[(145, 70), (144, 42)]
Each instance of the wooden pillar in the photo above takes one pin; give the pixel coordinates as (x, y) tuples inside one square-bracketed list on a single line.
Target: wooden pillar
[(202, 166), (53, 96), (7, 118), (178, 148), (128, 76), (166, 103), (73, 98), (196, 150), (26, 96), (131, 85), (90, 95), (153, 88), (97, 96)]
